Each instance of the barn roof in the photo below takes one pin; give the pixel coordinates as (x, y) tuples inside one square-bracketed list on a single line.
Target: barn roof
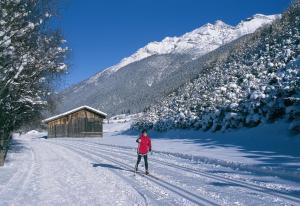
[(74, 110)]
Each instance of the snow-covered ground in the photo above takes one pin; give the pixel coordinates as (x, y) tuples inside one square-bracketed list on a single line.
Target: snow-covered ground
[(187, 168)]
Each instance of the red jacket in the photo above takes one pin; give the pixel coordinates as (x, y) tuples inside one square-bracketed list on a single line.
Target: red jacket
[(144, 144)]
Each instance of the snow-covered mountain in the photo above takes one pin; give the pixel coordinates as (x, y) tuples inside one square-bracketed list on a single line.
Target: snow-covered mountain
[(257, 83), (163, 66), (197, 42)]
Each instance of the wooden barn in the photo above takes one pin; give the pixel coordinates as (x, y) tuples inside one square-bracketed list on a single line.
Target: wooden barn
[(83, 121)]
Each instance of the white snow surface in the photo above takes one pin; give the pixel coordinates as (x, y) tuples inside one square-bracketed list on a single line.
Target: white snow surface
[(186, 167), (197, 42)]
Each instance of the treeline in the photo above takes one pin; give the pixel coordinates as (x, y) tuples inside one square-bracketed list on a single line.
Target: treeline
[(259, 81), (32, 56)]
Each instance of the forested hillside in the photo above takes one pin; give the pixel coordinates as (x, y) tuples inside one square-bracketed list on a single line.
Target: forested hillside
[(157, 69), (258, 82)]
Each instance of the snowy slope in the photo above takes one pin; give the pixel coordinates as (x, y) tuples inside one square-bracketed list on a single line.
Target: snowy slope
[(157, 69), (92, 171), (254, 85), (197, 42), (266, 147)]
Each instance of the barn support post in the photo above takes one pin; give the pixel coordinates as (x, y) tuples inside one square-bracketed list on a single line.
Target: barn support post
[(68, 126), (85, 122), (101, 122)]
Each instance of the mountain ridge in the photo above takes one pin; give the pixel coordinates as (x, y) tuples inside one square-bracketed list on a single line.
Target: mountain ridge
[(152, 48), (257, 83), (157, 62)]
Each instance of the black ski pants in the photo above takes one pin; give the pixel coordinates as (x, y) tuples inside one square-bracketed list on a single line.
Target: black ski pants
[(145, 160)]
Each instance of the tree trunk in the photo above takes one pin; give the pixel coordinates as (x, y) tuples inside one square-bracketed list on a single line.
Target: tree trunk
[(2, 154)]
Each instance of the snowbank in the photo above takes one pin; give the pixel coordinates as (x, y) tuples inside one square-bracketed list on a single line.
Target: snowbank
[(268, 147), (33, 134)]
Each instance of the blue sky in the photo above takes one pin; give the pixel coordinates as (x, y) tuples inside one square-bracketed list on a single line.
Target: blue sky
[(102, 32)]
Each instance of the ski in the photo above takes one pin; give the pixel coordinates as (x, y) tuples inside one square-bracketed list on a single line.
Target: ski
[(137, 172)]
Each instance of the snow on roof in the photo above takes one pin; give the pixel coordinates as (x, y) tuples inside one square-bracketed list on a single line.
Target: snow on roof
[(74, 110)]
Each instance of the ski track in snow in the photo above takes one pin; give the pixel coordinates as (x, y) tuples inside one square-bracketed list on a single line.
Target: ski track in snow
[(264, 192), (88, 172), (197, 200), (16, 184), (258, 188), (56, 176)]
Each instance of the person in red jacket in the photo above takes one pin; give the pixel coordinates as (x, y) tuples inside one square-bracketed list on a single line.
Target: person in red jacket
[(144, 147)]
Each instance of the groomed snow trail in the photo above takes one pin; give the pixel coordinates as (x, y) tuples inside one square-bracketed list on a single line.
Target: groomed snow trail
[(57, 176), (85, 171)]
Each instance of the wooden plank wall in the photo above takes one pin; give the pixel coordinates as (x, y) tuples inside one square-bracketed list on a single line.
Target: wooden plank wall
[(79, 124)]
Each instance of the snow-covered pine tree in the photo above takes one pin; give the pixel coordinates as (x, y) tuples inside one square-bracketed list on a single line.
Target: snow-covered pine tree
[(32, 56), (256, 83)]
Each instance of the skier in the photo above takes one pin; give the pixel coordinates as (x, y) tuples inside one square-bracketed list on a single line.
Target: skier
[(144, 147)]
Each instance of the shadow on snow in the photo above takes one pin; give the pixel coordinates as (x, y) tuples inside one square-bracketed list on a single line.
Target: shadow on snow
[(270, 144)]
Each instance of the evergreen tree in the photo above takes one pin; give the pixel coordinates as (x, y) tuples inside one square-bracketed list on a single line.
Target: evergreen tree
[(256, 83), (32, 56)]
